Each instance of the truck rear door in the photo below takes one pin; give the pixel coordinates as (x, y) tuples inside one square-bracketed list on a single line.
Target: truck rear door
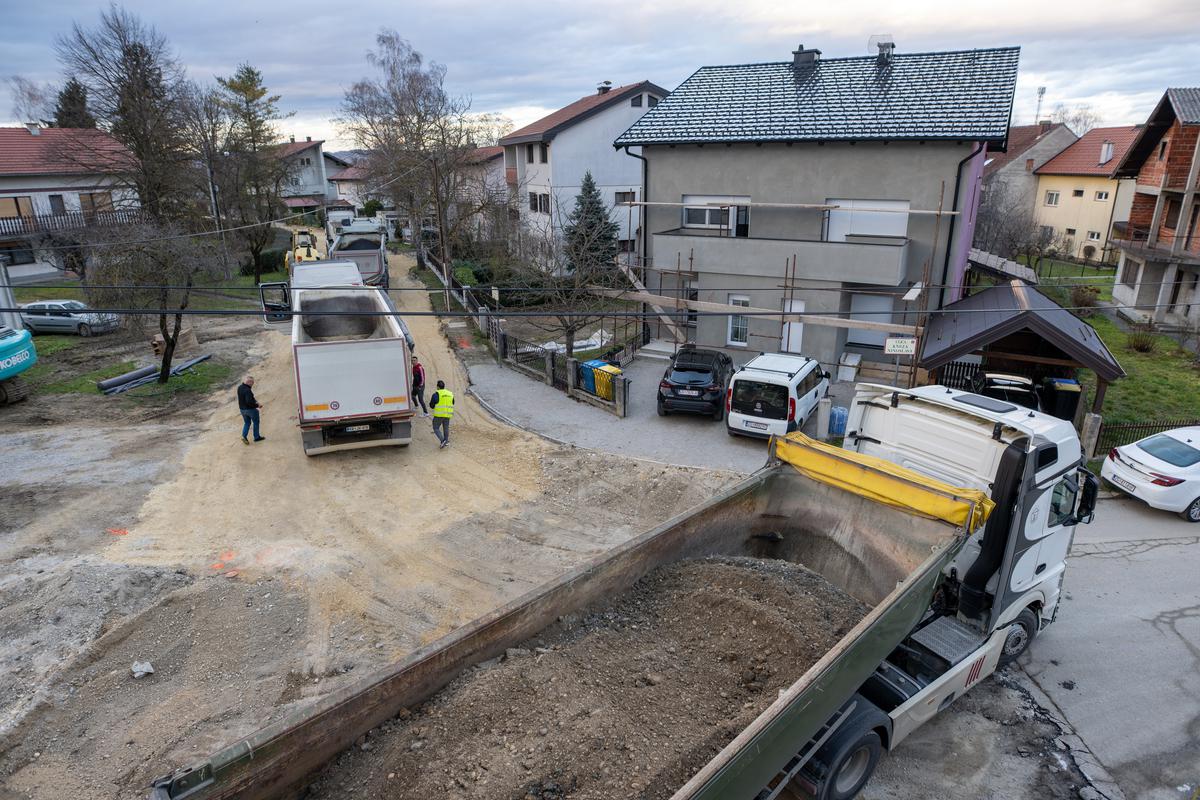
[(340, 380)]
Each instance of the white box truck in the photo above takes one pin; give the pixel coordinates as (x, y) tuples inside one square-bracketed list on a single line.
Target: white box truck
[(351, 357)]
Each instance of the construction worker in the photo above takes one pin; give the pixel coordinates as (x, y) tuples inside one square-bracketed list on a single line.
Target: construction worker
[(248, 405), (442, 404), (418, 382)]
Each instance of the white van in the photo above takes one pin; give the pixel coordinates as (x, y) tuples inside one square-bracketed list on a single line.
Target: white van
[(774, 393)]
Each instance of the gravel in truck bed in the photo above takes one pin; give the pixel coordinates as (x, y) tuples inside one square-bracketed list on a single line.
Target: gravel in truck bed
[(627, 700)]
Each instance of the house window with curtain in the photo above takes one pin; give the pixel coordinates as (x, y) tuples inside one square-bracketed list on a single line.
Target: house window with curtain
[(1051, 198), (544, 203)]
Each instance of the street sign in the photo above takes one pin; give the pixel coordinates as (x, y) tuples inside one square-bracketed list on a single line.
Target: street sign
[(900, 345)]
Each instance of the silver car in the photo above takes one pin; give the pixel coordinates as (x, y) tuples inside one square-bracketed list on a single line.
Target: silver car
[(66, 316)]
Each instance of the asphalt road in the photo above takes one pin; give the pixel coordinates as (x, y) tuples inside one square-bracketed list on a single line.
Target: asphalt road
[(1122, 661)]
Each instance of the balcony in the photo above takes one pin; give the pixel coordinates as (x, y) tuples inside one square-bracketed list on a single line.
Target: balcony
[(33, 224), (881, 260), (1167, 245)]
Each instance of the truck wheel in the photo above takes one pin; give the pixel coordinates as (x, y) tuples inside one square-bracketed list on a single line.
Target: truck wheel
[(1192, 512), (1020, 634), (851, 764)]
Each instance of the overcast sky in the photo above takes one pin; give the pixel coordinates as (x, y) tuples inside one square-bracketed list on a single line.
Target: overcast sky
[(524, 59)]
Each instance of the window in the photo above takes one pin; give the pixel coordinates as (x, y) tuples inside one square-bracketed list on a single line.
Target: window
[(651, 100), (100, 202), (1047, 231), (1129, 273), (1077, 193), (57, 206), (1102, 196), (1070, 231), (626, 197), (1062, 502), (306, 161), (529, 154), (1162, 149), (544, 203), (1171, 214), (1106, 152), (636, 101), (544, 155), (1029, 165), (533, 201), (1051, 198), (706, 214), (628, 245), (16, 207), (18, 252), (1093, 236), (739, 325)]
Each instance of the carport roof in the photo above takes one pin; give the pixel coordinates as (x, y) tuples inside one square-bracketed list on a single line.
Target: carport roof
[(999, 311)]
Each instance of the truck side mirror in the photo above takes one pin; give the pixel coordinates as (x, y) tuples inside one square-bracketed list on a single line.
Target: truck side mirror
[(276, 303), (1086, 511)]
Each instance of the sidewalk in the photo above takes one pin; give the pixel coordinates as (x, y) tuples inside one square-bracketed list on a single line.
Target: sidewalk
[(688, 440)]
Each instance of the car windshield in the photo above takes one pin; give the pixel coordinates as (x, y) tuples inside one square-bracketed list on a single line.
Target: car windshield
[(1171, 450), (691, 373), (757, 399), (74, 305)]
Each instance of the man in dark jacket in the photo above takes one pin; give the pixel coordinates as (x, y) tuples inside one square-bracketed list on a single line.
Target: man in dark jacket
[(418, 381), (249, 407)]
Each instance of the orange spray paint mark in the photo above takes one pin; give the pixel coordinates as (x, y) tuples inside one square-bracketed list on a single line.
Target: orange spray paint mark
[(227, 555), (218, 565), (117, 531)]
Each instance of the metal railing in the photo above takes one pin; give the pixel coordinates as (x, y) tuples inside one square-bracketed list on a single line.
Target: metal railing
[(73, 220), (1123, 433), (1166, 239)]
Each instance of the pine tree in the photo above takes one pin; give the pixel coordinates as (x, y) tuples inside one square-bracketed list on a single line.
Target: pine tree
[(71, 110), (590, 235)]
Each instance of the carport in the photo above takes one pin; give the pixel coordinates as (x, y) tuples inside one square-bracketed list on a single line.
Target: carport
[(1013, 327)]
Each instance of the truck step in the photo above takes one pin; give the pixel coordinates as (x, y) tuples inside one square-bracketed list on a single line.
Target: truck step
[(949, 638)]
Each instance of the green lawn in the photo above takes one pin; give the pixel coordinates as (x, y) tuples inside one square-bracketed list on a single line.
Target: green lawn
[(1164, 384), (199, 379), (86, 383), (31, 294)]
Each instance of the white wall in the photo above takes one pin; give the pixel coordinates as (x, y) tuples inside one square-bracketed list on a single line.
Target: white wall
[(306, 179), (39, 188)]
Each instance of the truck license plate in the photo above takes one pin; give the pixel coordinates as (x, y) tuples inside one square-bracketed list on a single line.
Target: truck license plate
[(1124, 484), (758, 426), (356, 428)]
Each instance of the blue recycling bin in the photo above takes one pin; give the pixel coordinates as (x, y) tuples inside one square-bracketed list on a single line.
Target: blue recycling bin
[(837, 420), (587, 374)]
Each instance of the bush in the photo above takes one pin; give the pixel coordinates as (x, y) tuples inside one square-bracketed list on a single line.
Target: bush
[(1142, 339), (371, 208), (271, 260), (1084, 299)]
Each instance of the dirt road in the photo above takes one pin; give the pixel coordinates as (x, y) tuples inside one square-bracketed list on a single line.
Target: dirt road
[(269, 578)]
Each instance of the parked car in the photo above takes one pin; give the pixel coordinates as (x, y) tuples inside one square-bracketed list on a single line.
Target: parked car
[(1010, 388), (695, 382), (66, 316), (1162, 470), (774, 393)]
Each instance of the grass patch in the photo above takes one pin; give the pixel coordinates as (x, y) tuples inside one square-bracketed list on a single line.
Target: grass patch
[(86, 383), (437, 298), (31, 294), (48, 344), (199, 378), (1163, 384)]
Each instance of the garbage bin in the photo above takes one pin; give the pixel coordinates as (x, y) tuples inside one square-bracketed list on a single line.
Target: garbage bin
[(604, 381), (1060, 397), (837, 420), (587, 374)]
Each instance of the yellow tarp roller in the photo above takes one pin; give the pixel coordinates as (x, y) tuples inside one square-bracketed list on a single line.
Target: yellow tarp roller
[(885, 482)]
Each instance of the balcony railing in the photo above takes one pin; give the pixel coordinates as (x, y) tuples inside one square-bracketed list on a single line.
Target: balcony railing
[(1167, 242), (74, 220)]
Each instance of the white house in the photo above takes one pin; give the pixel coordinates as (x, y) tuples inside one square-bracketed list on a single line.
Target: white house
[(545, 161), (54, 181), (308, 185)]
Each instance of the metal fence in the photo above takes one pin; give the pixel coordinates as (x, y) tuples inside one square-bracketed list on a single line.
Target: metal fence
[(1122, 433)]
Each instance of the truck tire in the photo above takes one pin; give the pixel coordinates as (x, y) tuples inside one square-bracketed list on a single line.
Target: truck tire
[(1020, 634), (852, 753)]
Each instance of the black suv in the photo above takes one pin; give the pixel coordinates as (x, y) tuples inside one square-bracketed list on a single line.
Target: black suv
[(695, 381)]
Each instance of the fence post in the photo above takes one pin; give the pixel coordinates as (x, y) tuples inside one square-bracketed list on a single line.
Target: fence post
[(1090, 436), (502, 345), (620, 394), (549, 359), (824, 405), (572, 375)]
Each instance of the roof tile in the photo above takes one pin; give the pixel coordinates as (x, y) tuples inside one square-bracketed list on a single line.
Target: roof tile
[(60, 151), (1082, 157), (545, 128)]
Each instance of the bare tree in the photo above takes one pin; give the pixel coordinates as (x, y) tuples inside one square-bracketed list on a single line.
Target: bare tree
[(1007, 226), (1080, 119), (163, 260), (31, 101), (488, 128), (208, 129)]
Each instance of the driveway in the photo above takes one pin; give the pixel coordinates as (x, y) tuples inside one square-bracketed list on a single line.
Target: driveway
[(690, 440)]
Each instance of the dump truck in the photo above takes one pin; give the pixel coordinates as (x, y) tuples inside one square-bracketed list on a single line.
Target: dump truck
[(363, 243), (351, 355), (947, 514)]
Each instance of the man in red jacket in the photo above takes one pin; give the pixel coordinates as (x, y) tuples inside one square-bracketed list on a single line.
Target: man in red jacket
[(418, 382)]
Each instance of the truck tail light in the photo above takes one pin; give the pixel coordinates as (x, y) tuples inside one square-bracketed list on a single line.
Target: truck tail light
[(729, 399), (1165, 480), (791, 409)]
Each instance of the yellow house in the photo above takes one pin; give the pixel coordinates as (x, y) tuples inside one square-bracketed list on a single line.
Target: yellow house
[(1078, 197)]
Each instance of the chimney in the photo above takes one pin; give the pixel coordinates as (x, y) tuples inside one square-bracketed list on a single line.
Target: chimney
[(604, 87), (886, 48), (1044, 126), (33, 128), (308, 138), (293, 139), (802, 58)]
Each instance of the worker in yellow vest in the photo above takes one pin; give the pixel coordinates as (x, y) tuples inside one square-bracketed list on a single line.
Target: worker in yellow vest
[(442, 404)]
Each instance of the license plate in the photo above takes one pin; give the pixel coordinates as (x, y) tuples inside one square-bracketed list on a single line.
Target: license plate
[(1124, 484), (356, 428), (689, 392), (758, 426)]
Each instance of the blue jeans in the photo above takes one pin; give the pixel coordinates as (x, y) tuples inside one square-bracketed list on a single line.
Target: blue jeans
[(442, 423), (249, 417)]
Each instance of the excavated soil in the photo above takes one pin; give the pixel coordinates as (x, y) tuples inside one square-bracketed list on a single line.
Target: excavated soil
[(628, 701)]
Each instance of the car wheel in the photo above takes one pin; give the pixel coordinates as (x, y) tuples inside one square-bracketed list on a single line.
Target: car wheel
[(1192, 512), (1020, 634), (84, 329), (730, 431), (719, 414), (662, 411)]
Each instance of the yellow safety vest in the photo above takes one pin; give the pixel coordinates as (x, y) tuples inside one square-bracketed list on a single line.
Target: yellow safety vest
[(445, 403)]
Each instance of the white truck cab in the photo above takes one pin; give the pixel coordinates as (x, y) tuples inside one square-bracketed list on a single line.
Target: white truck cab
[(773, 394)]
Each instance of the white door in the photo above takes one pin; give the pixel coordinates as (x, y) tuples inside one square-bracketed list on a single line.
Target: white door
[(793, 332)]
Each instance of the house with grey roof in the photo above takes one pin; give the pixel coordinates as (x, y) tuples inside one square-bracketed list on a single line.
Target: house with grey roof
[(818, 186)]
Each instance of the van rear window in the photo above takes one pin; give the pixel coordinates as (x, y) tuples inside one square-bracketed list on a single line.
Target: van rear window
[(757, 399)]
